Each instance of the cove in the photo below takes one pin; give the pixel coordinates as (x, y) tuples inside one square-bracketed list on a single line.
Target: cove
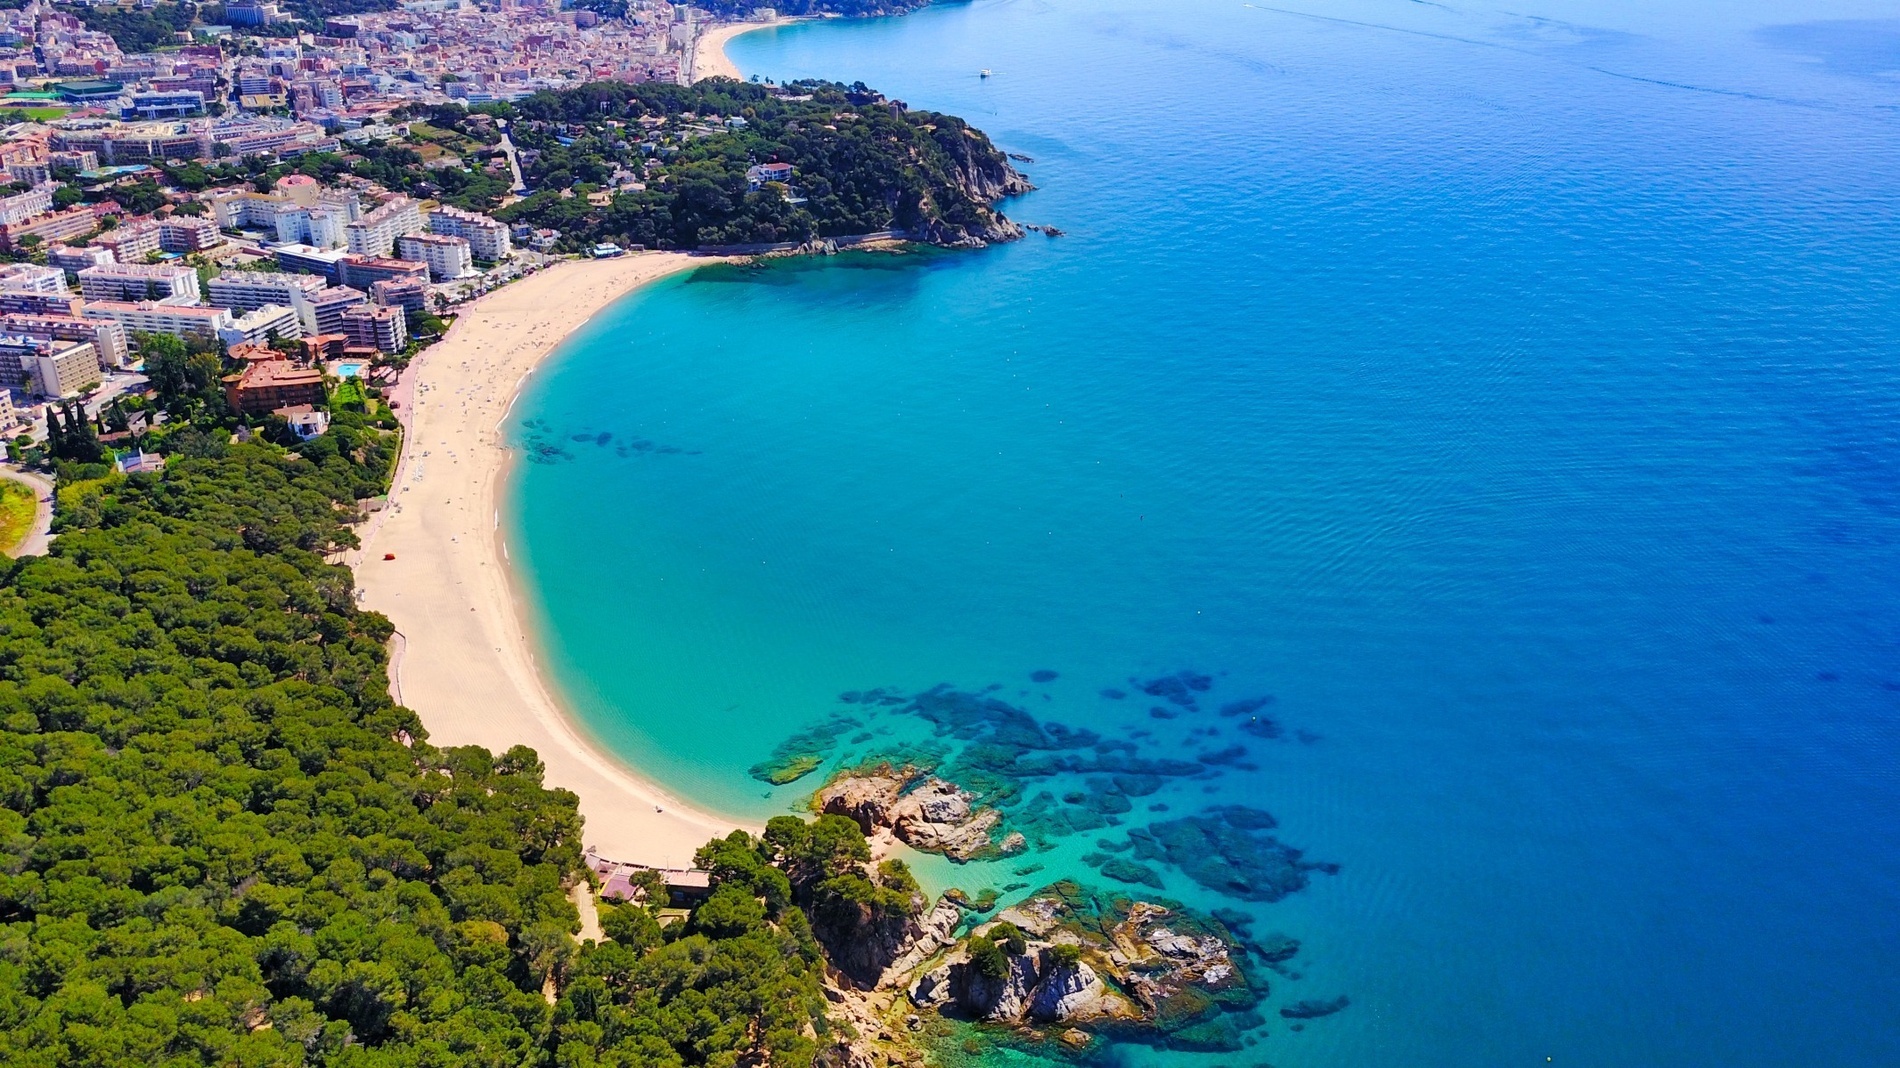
[(1510, 398)]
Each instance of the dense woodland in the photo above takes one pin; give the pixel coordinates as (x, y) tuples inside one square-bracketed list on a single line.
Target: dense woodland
[(221, 843), (861, 164)]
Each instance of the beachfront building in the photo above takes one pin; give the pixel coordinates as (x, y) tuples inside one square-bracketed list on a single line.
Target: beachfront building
[(375, 233), (362, 272), (251, 290), (409, 294), (377, 326), (322, 311), (448, 258), (138, 281), (159, 316), (487, 238), (262, 324), (271, 384)]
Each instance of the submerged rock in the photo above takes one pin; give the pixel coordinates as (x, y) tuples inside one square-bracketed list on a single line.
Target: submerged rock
[(1225, 851), (1312, 1010)]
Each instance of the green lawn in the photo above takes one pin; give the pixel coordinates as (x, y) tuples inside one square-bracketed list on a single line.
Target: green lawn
[(18, 505), (36, 113)]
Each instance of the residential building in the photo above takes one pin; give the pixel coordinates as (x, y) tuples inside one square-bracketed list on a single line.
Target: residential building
[(58, 226), (188, 233), (487, 238), (375, 233), (159, 316), (65, 369), (71, 259), (305, 421), (251, 290), (322, 311), (409, 294), (20, 207), (320, 227), (448, 257), (131, 242), (246, 210), (361, 272), (324, 262), (272, 384), (376, 326), (139, 281), (16, 302), (31, 278), (108, 337), (20, 356), (756, 176), (269, 321)]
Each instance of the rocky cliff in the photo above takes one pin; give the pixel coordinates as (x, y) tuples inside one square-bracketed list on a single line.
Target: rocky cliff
[(923, 812)]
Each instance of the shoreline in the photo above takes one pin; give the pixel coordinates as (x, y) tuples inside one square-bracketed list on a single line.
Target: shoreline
[(709, 49), (467, 660)]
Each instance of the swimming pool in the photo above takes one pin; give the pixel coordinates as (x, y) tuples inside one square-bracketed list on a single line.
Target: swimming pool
[(349, 370)]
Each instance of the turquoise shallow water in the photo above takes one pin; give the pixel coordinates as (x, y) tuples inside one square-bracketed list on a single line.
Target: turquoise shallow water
[(1512, 395)]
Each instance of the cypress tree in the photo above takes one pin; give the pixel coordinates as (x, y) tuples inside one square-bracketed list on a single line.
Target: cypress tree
[(55, 434)]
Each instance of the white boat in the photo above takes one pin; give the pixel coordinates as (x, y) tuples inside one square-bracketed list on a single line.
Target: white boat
[(984, 73)]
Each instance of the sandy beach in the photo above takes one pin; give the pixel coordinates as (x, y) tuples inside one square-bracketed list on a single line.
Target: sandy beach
[(709, 50), (464, 659)]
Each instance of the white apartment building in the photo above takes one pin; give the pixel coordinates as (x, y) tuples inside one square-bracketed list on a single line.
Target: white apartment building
[(322, 311), (107, 337), (71, 260), (139, 281), (251, 290), (159, 316), (132, 242), (487, 238), (269, 321), (375, 234), (20, 207), (32, 278), (246, 211), (448, 257), (319, 227)]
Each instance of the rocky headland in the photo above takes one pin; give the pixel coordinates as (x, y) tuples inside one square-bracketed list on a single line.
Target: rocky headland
[(906, 804)]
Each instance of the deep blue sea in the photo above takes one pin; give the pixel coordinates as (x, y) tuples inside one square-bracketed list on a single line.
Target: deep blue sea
[(1511, 390)]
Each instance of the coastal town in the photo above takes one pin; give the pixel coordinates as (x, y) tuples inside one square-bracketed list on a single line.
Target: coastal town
[(269, 190)]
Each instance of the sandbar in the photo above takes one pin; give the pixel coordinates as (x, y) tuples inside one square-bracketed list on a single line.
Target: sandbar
[(464, 659)]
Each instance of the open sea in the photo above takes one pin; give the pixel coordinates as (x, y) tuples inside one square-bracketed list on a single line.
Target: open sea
[(1509, 390)]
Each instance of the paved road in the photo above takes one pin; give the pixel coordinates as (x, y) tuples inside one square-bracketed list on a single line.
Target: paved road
[(514, 161), (35, 542)]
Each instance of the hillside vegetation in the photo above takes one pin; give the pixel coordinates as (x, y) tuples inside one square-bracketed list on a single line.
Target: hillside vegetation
[(670, 163), (221, 843)]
